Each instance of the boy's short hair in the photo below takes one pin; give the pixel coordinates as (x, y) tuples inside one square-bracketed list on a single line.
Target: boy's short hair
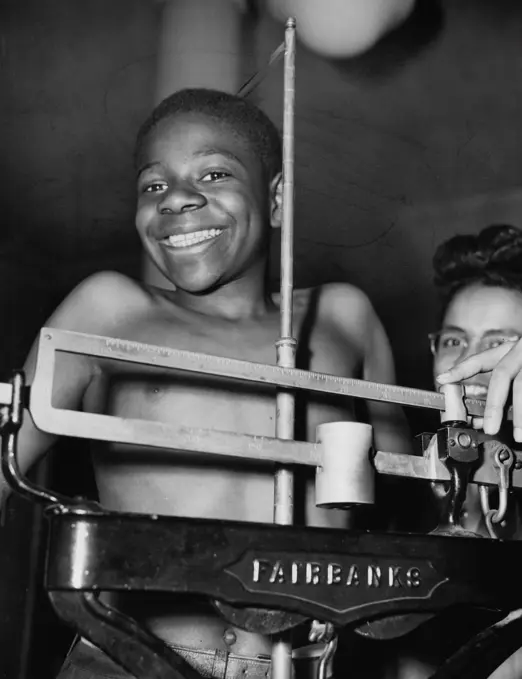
[(242, 116)]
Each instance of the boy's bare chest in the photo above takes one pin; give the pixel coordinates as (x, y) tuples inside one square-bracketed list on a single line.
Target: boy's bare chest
[(201, 401)]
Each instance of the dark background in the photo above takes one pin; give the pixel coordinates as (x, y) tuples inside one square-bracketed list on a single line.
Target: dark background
[(396, 150)]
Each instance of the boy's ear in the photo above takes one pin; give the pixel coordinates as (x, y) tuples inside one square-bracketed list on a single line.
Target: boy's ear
[(276, 201)]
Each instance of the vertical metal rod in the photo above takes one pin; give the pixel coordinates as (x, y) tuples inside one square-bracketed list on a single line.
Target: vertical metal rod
[(287, 228), (286, 345)]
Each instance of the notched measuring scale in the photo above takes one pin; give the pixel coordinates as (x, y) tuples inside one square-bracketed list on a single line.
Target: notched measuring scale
[(268, 578)]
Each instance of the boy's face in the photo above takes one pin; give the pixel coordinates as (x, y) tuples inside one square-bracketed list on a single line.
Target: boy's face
[(203, 203)]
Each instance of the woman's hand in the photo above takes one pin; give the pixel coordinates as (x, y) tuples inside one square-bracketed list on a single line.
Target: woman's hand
[(506, 363)]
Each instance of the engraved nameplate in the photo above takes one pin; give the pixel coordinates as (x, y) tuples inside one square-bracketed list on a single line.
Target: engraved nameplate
[(338, 582)]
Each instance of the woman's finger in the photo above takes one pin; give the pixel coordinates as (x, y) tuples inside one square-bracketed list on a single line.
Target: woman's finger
[(517, 408), (473, 365), (497, 396)]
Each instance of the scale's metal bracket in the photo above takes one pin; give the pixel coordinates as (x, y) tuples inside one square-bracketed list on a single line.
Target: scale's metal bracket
[(122, 639), (344, 577), (226, 444)]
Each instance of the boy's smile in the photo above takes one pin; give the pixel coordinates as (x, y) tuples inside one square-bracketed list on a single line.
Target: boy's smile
[(203, 208), (192, 238)]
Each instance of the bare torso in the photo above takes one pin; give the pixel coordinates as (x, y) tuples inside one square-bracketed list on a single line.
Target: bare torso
[(338, 333), (150, 481)]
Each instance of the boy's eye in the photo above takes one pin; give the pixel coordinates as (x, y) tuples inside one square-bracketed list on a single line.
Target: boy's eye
[(215, 175), (154, 187)]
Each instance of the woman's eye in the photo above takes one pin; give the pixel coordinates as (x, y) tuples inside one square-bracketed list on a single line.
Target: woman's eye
[(493, 343), (450, 342), (215, 175)]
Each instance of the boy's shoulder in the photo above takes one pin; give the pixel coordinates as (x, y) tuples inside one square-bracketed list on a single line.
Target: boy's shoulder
[(338, 299), (100, 301), (341, 307), (106, 289)]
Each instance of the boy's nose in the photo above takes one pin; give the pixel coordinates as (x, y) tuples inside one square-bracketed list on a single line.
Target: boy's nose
[(181, 198)]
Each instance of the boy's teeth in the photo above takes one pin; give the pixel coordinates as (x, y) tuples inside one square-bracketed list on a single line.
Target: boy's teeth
[(183, 240)]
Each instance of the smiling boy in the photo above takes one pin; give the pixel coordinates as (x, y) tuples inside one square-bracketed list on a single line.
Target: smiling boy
[(209, 191)]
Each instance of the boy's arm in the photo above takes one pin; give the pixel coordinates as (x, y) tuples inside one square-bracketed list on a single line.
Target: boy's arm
[(349, 310), (390, 427), (83, 310)]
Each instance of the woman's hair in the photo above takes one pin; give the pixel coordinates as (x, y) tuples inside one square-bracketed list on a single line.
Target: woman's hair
[(492, 257)]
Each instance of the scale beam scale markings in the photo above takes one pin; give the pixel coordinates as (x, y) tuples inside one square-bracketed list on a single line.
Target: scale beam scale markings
[(52, 340)]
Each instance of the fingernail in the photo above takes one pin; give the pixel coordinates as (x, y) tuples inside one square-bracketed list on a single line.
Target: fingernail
[(517, 434), (489, 427), (442, 377)]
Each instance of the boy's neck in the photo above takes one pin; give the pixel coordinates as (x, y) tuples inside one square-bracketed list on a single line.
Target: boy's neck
[(241, 299)]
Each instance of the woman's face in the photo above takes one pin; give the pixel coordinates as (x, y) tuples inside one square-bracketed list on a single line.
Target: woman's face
[(478, 318)]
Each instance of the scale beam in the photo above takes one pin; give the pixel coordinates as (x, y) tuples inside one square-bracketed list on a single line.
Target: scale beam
[(174, 439), (52, 340)]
